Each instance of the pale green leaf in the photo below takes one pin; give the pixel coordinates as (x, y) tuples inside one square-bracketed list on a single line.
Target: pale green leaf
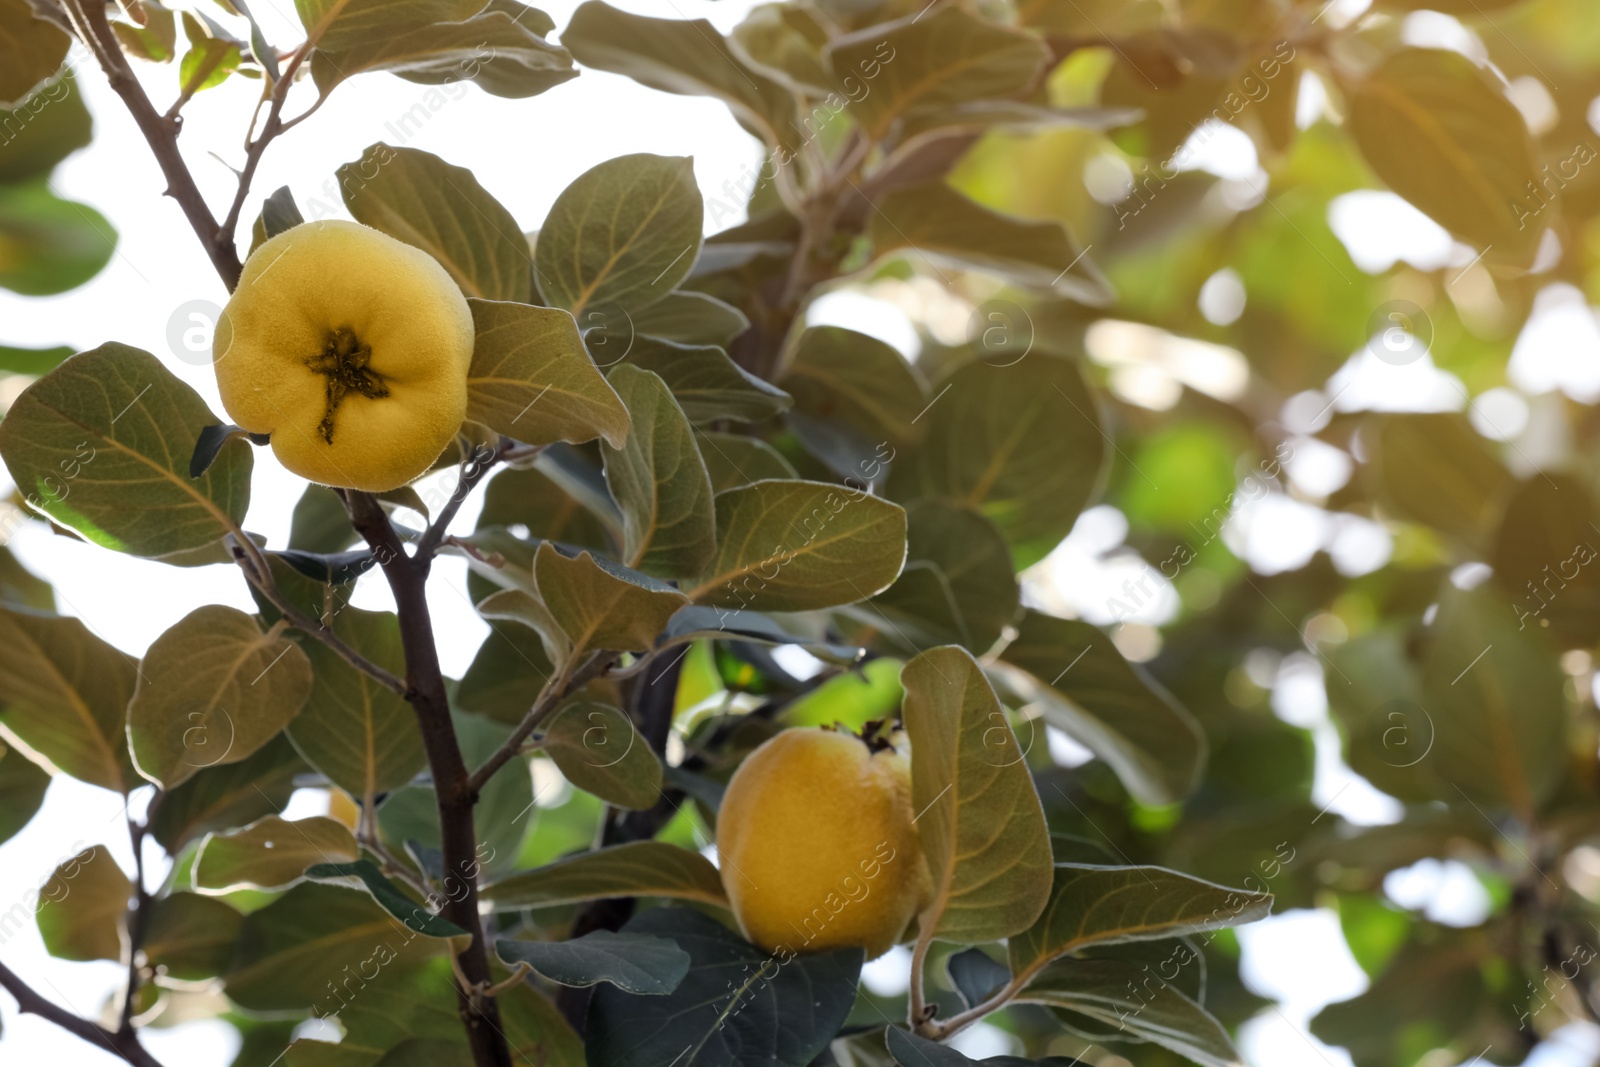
[(81, 907), (30, 50), (835, 373), (797, 546), (691, 318), (271, 853), (659, 481), (521, 605), (102, 443), (532, 379), (634, 963), (191, 937), (212, 690), (22, 787), (733, 460), (623, 235), (602, 605), (493, 49), (636, 869), (979, 820), (708, 385), (598, 749), (219, 798)]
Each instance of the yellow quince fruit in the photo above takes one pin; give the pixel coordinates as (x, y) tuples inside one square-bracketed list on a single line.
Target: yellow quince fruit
[(351, 350), (817, 844)]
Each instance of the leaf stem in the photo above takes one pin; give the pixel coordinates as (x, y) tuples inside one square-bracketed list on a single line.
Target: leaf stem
[(473, 470), (123, 1044)]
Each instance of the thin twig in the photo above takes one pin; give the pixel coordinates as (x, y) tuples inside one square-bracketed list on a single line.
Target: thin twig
[(474, 469), (554, 692), (138, 922), (124, 1045)]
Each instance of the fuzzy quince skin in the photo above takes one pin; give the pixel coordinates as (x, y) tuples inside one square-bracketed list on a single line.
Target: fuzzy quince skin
[(818, 846), (351, 350)]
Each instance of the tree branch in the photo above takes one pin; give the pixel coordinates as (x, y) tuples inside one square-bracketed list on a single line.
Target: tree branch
[(138, 921), (89, 18), (474, 469), (453, 788), (126, 1045), (549, 699)]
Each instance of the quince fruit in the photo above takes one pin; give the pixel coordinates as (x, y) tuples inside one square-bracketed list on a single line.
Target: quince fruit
[(817, 844), (351, 350)]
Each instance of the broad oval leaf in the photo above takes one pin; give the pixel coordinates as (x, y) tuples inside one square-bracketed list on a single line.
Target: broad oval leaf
[(520, 605), (415, 916), (931, 60), (979, 819), (359, 733), (271, 853), (797, 546), (1093, 905), (678, 55), (936, 223), (418, 198), (52, 244), (1494, 694), (101, 444), (1086, 688), (634, 963), (737, 1007), (191, 937), (212, 690), (22, 787), (1434, 468), (602, 605), (532, 379), (1117, 994), (707, 384), (835, 373), (659, 481), (1022, 444), (220, 798), (82, 906), (733, 460), (30, 50), (691, 318), (65, 695), (1541, 556), (623, 235), (1439, 131), (636, 869), (599, 750), (291, 950)]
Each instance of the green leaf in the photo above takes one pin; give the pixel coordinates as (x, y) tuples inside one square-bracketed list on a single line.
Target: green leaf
[(82, 906), (835, 373), (1495, 695), (388, 895), (678, 55), (734, 999), (601, 604), (599, 750), (909, 1050), (101, 444), (213, 689), (320, 523), (1541, 554), (508, 669), (22, 787), (634, 963), (982, 830), (1117, 994), (623, 235), (49, 245), (532, 379), (420, 199), (191, 937), (520, 605), (44, 129), (1091, 905), (209, 60), (20, 586), (798, 546), (32, 361), (157, 40), (1086, 688), (1439, 130), (220, 798), (271, 853), (733, 460), (493, 48), (691, 318), (708, 385), (975, 975), (530, 497), (930, 60), (1376, 694), (293, 950), (659, 481), (1437, 470), (636, 869), (65, 693), (945, 228), (784, 41), (1022, 444), (30, 50), (360, 734)]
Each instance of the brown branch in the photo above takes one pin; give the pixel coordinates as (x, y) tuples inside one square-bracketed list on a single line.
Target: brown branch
[(126, 1045), (474, 469), (270, 129), (138, 922), (89, 18), (452, 785), (549, 699)]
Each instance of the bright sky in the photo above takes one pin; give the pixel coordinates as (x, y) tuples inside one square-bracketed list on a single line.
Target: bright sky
[(525, 153)]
